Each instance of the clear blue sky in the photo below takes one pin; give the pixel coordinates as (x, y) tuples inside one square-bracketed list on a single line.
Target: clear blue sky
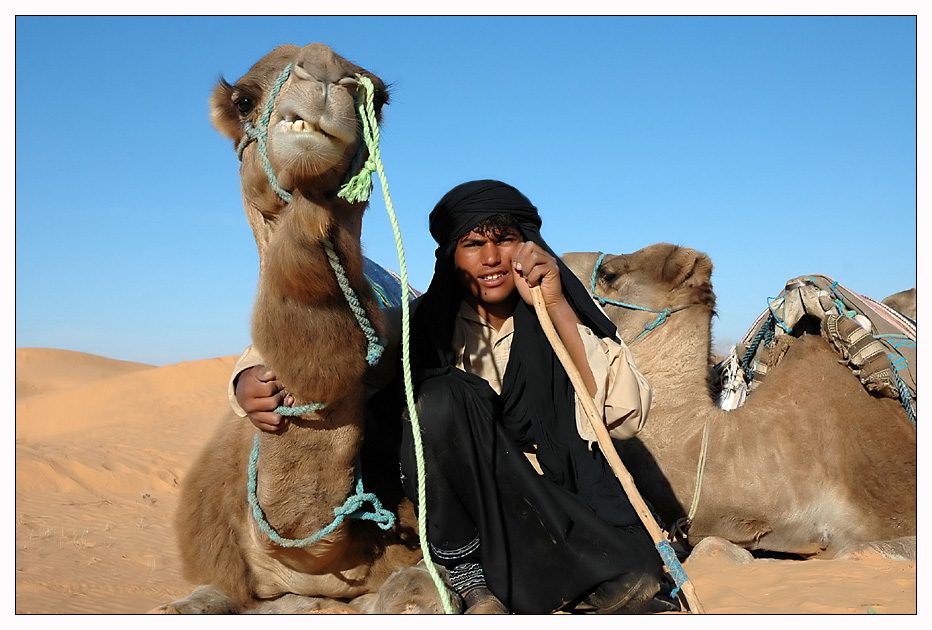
[(780, 146)]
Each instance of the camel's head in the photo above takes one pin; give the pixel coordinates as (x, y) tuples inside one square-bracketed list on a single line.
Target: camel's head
[(312, 129), (660, 276)]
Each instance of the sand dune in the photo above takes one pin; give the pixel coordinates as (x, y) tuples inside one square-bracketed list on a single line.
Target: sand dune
[(41, 370), (102, 445)]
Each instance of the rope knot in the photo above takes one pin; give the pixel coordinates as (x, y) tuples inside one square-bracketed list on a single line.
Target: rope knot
[(355, 504), (359, 187)]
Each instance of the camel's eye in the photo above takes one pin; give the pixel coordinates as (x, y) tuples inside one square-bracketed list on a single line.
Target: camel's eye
[(244, 105), (609, 278)]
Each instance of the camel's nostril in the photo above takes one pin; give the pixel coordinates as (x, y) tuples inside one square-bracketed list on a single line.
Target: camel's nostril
[(302, 73)]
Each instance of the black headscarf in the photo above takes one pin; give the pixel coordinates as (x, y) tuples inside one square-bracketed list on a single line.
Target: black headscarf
[(454, 216), (538, 399)]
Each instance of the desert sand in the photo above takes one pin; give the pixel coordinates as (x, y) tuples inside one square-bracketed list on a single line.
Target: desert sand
[(102, 446)]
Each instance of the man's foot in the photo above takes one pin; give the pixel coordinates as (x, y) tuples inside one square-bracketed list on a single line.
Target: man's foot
[(627, 594), (481, 601)]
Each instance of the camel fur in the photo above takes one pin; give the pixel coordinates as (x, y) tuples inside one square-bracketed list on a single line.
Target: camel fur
[(904, 302), (811, 464), (307, 334)]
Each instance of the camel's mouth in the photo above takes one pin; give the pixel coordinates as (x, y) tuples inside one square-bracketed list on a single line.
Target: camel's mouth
[(296, 124), (304, 146)]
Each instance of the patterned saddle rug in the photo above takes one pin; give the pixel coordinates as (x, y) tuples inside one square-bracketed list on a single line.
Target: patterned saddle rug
[(878, 343)]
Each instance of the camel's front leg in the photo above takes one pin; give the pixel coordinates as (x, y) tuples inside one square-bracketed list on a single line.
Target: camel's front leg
[(408, 591), (291, 604), (204, 600)]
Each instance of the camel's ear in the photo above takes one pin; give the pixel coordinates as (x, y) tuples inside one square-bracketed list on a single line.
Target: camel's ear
[(690, 269), (225, 114)]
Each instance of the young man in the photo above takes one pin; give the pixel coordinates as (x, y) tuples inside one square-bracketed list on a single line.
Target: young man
[(490, 389)]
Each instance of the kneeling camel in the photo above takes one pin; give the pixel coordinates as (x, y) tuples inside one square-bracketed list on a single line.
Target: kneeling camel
[(811, 464), (293, 120)]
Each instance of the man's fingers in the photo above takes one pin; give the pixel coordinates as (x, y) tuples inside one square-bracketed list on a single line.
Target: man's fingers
[(261, 389), (263, 374), (268, 421), (259, 404)]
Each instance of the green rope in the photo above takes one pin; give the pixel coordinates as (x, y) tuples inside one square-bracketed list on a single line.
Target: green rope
[(357, 190)]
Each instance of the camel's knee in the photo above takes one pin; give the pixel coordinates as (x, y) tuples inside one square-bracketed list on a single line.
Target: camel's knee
[(204, 600), (409, 591), (715, 547), (291, 604), (904, 548)]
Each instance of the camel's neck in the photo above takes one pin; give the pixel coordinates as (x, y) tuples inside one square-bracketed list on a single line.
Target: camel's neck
[(308, 335), (675, 359), (302, 323)]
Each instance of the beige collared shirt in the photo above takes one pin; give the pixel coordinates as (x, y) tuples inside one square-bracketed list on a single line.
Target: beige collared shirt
[(623, 394)]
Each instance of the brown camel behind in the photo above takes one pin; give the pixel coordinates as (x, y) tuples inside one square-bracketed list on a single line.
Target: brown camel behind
[(307, 334), (812, 463), (903, 301)]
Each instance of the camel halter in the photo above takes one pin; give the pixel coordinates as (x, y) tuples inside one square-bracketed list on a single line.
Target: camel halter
[(662, 313), (357, 189)]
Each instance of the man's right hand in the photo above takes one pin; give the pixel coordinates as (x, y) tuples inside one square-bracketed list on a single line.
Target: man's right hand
[(259, 393)]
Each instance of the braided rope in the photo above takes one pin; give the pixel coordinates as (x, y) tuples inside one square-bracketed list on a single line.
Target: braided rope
[(260, 133), (765, 334), (356, 190), (300, 411), (376, 346), (906, 398), (662, 313), (351, 508)]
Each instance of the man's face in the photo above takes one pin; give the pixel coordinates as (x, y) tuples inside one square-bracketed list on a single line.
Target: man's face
[(483, 264)]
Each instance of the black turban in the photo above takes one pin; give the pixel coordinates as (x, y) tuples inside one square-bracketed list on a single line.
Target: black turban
[(456, 214)]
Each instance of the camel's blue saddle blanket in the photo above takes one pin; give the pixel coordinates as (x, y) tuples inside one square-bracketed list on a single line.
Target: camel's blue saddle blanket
[(878, 343), (386, 284)]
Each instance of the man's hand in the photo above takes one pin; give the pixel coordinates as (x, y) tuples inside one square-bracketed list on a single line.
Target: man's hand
[(260, 394), (534, 266)]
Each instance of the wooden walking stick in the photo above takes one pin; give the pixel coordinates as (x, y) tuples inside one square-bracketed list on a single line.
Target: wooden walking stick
[(608, 449)]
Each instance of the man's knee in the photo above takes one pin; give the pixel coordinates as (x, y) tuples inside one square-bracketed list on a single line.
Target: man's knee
[(440, 403)]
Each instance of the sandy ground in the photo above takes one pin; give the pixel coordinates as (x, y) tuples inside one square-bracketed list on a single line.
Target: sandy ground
[(102, 446)]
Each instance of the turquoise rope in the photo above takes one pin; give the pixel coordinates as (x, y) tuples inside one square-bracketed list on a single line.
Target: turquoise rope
[(300, 411), (662, 313), (906, 397), (260, 133), (777, 320), (357, 190), (376, 346), (896, 340), (351, 508)]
